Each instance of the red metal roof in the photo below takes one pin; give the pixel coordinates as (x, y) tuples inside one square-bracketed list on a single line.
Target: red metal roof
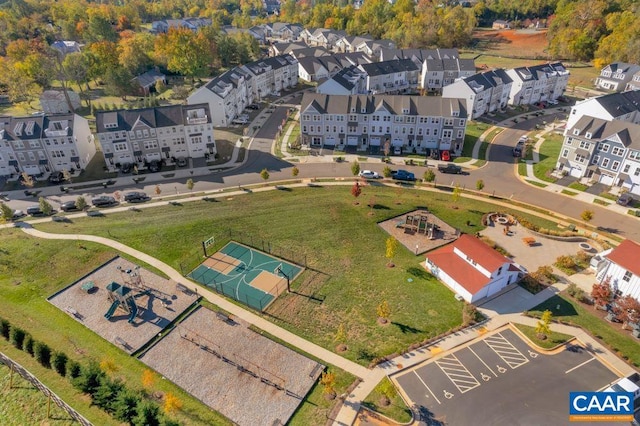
[(627, 255), (480, 252)]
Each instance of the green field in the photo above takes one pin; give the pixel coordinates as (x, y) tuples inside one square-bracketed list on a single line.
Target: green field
[(553, 340), (549, 151)]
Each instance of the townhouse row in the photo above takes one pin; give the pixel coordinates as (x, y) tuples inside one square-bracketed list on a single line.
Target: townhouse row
[(415, 124), (44, 144), (493, 90)]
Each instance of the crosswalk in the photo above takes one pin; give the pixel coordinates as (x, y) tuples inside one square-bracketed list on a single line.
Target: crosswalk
[(505, 350), (457, 373)]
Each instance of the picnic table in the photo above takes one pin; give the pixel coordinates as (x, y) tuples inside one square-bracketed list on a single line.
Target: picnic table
[(88, 286), (530, 241)]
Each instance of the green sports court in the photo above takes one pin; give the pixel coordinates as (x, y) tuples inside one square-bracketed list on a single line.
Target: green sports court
[(245, 274)]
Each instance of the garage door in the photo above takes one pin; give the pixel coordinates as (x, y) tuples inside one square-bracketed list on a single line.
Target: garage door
[(397, 142), (576, 172), (352, 140), (153, 156), (606, 180), (329, 140), (375, 141)]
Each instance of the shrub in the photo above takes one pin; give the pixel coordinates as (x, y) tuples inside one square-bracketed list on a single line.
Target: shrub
[(4, 328), (89, 379), (73, 369), (42, 353), (147, 414), (27, 344), (106, 393), (125, 406), (572, 289), (60, 360), (566, 262), (386, 172), (17, 337)]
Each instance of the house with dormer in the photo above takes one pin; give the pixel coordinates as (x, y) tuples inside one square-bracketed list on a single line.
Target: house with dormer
[(621, 268), (418, 124), (348, 44), (397, 76), (42, 144), (607, 152), (484, 92), (472, 269), (163, 134), (348, 81), (616, 76), (623, 106), (537, 83)]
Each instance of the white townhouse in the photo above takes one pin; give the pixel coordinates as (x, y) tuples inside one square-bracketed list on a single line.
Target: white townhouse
[(615, 106), (602, 151), (622, 268), (484, 92), (437, 73), (616, 76), (419, 124), (537, 83), (471, 268), (348, 81), (229, 94), (397, 76), (634, 84), (42, 144), (348, 44), (164, 134), (322, 37)]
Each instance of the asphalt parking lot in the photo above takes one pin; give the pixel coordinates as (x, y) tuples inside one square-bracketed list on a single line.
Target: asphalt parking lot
[(500, 380)]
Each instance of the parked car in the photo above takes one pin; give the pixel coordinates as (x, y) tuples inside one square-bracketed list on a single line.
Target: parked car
[(517, 151), (397, 150), (126, 168), (154, 166), (181, 162), (18, 214), (253, 106), (34, 211), (368, 174), (450, 168), (445, 156), (56, 177), (625, 199), (68, 206), (552, 102), (403, 175), (136, 197), (103, 201), (239, 121)]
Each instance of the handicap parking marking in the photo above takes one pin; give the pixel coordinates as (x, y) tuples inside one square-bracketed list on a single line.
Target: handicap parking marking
[(505, 349), (457, 373)]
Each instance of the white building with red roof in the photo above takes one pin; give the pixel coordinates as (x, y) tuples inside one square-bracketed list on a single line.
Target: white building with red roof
[(471, 268), (622, 267)]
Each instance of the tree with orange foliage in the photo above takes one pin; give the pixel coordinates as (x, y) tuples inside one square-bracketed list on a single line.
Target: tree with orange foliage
[(602, 292), (629, 309), (356, 190), (171, 403), (148, 379)]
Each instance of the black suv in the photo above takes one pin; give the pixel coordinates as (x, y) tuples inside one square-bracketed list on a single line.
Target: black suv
[(56, 177), (68, 206), (103, 201), (136, 197)]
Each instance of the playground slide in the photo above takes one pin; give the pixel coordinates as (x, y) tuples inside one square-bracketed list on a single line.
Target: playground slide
[(133, 309), (112, 309)]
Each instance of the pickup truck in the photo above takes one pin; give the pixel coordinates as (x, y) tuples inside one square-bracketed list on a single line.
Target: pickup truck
[(450, 168), (403, 175)]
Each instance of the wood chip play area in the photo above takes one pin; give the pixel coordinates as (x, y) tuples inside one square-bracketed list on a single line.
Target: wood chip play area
[(247, 377), (123, 303), (419, 231)]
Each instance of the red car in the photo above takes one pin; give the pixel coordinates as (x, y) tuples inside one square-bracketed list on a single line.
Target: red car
[(444, 156)]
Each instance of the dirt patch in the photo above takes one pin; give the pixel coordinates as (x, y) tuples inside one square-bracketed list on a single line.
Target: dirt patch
[(413, 235), (520, 43)]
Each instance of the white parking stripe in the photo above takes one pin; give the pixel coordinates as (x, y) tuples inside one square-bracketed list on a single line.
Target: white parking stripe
[(579, 365), (482, 361), (457, 373), (425, 385), (505, 350)]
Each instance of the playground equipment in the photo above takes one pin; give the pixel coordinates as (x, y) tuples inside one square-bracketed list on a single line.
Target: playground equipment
[(123, 297), (419, 224)]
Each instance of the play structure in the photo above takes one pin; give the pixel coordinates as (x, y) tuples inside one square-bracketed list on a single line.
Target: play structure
[(419, 224), (125, 298)]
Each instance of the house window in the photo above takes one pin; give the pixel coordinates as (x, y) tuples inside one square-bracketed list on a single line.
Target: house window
[(617, 151), (627, 276), (604, 147), (595, 159), (615, 165), (119, 147), (584, 144), (637, 172), (605, 162), (580, 158), (626, 168)]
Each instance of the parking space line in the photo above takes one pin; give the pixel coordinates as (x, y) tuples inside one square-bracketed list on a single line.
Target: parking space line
[(457, 373), (505, 350), (482, 361), (428, 388), (579, 365)]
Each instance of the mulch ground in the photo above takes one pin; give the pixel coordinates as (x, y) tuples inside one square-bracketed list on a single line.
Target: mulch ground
[(418, 242)]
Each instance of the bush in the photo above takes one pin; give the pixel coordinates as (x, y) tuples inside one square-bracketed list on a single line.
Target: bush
[(386, 172), (27, 344), (106, 393), (42, 353), (89, 379), (73, 369), (5, 327), (126, 406), (572, 289), (17, 337), (60, 360), (147, 414)]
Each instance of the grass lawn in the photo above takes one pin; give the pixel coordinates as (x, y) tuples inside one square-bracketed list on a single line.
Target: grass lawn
[(396, 410), (600, 202), (22, 395), (536, 183), (584, 316), (554, 339), (578, 186), (549, 152), (522, 168), (567, 192)]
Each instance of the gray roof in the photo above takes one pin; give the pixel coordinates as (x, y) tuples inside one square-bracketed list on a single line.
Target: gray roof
[(275, 62), (416, 105), (388, 67), (481, 81), (538, 72), (346, 76), (419, 54), (618, 104), (622, 67), (36, 126), (149, 78), (164, 116), (629, 133)]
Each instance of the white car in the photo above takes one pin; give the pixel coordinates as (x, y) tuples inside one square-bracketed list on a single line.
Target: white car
[(369, 174), (552, 102)]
